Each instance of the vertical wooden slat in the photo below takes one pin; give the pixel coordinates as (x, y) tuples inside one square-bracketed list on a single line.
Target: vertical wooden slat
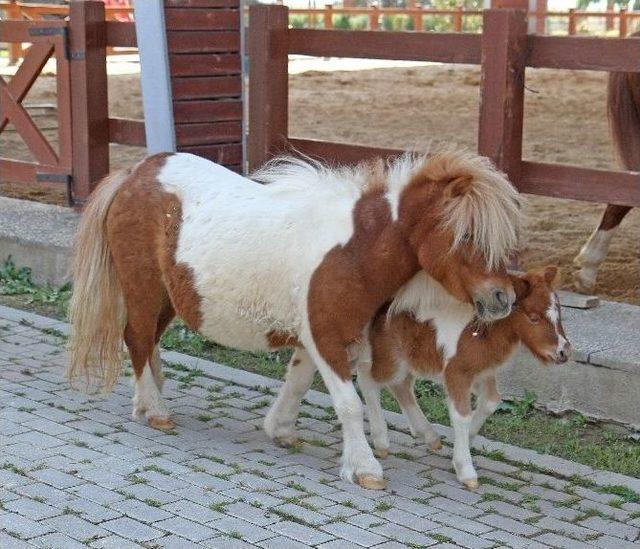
[(623, 23), (457, 20), (572, 22), (541, 18), (328, 16), (15, 48), (504, 49), (90, 114), (268, 81)]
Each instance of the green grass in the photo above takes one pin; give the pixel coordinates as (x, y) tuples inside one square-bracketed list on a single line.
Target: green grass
[(520, 423)]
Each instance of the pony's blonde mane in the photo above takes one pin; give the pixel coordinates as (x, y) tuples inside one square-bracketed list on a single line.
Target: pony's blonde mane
[(488, 212)]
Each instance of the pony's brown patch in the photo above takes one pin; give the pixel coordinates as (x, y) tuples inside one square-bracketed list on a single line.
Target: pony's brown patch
[(179, 277), (355, 279), (278, 339), (143, 248)]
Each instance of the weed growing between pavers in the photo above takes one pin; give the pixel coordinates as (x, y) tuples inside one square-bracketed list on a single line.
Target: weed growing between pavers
[(518, 423)]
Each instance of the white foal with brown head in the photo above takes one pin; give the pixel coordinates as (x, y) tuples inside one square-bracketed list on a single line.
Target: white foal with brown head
[(450, 345), (303, 257)]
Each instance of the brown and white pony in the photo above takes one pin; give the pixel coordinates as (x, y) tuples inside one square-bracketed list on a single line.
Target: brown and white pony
[(623, 106), (450, 345), (304, 259)]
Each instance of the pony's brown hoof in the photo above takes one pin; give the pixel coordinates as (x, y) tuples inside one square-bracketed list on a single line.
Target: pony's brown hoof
[(436, 445), (382, 453), (471, 484), (163, 423), (288, 442), (369, 482)]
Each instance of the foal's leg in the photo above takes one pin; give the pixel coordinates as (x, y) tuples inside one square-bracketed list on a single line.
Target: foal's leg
[(488, 401), (280, 422), (459, 403), (358, 460), (595, 249), (377, 424), (418, 423)]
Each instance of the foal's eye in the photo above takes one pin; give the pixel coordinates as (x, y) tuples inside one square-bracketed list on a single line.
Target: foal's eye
[(466, 237), (534, 318)]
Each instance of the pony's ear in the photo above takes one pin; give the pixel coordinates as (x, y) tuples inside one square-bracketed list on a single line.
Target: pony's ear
[(459, 185), (521, 286), (552, 276)]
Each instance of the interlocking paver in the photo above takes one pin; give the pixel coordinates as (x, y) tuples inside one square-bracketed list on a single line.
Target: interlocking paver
[(132, 529), (77, 471)]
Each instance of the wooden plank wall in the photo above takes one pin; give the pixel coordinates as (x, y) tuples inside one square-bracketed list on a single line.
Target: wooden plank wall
[(206, 75)]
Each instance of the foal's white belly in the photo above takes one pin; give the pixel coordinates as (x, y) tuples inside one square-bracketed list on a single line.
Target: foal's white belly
[(252, 249)]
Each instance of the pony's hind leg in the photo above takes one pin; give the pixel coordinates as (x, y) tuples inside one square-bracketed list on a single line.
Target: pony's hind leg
[(145, 306), (166, 316), (595, 249)]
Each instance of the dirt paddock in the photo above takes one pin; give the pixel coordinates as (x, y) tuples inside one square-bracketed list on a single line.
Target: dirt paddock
[(565, 121)]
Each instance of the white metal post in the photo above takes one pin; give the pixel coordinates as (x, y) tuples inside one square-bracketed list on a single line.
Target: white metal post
[(155, 77)]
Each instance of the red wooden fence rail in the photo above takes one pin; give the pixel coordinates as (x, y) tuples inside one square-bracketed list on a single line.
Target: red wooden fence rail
[(504, 51)]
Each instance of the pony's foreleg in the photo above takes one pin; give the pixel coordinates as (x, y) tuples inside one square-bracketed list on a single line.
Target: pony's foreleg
[(595, 249), (377, 424), (280, 422), (358, 460), (418, 423), (488, 401), (459, 403)]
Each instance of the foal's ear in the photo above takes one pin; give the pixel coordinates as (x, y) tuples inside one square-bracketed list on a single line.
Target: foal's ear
[(521, 286), (552, 276), (459, 185)]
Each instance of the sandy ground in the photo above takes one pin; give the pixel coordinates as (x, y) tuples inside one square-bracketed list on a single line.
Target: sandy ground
[(411, 106)]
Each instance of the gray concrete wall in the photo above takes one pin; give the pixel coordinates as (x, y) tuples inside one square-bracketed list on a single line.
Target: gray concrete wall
[(38, 236)]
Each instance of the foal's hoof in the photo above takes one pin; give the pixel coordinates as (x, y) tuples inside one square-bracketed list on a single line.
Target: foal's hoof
[(436, 445), (471, 483), (382, 453), (163, 423), (288, 442), (369, 482)]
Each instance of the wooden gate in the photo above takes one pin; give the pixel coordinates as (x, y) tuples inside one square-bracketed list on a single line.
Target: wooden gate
[(48, 40)]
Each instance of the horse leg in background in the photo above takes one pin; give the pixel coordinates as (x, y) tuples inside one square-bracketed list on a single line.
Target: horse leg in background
[(459, 403), (488, 401), (377, 424), (358, 460), (418, 423), (280, 421), (595, 249)]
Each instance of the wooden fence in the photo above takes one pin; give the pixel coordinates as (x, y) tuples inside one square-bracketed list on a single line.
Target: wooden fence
[(84, 126), (325, 17), (504, 50), (39, 12)]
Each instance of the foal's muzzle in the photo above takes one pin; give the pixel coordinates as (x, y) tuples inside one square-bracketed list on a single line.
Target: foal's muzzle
[(494, 305)]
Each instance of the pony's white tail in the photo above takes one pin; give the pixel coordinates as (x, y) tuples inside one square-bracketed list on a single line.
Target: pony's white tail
[(97, 311)]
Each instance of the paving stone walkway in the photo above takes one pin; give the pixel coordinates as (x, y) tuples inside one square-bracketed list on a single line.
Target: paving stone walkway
[(77, 471)]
